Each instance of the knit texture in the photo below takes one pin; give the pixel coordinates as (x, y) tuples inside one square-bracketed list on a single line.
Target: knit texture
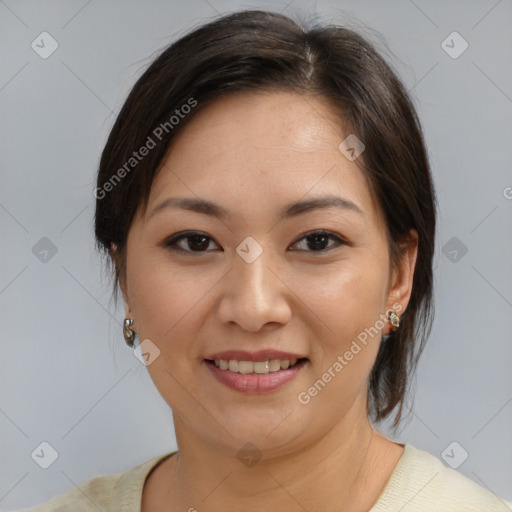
[(419, 483)]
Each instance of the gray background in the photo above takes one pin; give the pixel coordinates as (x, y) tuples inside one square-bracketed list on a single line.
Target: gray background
[(66, 376)]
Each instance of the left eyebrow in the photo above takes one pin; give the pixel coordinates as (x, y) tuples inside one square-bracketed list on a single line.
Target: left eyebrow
[(322, 202), (289, 210)]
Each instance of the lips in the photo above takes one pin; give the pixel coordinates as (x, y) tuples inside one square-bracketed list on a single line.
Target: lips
[(255, 372), (253, 383)]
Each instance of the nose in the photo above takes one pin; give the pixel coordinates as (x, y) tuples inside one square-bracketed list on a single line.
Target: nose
[(254, 295)]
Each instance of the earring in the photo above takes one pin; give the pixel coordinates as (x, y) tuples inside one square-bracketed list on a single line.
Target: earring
[(394, 320), (128, 332)]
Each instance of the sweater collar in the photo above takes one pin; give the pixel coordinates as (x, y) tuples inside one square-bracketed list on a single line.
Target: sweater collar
[(127, 493)]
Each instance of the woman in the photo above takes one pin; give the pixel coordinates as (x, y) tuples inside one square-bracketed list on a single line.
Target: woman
[(266, 202)]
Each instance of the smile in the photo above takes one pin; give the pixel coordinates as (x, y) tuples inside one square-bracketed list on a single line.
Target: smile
[(257, 367), (255, 377)]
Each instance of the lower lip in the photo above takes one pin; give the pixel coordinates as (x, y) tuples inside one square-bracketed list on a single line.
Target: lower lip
[(255, 383)]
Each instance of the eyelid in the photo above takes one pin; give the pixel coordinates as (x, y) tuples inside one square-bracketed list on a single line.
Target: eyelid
[(171, 242), (338, 238)]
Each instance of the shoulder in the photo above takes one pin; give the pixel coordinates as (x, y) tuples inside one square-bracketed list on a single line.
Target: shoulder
[(124, 490), (90, 495), (421, 482)]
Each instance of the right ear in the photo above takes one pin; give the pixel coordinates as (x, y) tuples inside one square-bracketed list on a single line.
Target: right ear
[(114, 255), (113, 251)]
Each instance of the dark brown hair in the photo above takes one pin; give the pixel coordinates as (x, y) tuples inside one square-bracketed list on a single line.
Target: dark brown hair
[(266, 51)]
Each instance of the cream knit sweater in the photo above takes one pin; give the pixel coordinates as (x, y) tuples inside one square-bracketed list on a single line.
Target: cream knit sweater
[(419, 483)]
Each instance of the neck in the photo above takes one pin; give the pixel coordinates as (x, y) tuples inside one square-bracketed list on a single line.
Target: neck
[(333, 473)]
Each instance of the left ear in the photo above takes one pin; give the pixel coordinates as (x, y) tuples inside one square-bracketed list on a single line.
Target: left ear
[(400, 287)]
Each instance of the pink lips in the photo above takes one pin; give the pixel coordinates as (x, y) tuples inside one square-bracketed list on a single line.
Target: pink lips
[(254, 383)]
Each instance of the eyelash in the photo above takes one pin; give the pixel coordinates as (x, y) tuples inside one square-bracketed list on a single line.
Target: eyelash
[(171, 243)]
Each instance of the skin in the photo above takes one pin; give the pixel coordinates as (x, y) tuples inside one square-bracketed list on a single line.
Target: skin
[(251, 154)]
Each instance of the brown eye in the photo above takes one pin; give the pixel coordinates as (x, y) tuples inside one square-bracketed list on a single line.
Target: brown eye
[(317, 241), (189, 242)]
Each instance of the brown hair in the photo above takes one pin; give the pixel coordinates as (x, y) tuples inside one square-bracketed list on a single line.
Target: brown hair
[(266, 51)]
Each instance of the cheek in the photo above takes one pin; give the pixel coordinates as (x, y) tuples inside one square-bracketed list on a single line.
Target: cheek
[(349, 298), (349, 302), (165, 300), (165, 304), (151, 293)]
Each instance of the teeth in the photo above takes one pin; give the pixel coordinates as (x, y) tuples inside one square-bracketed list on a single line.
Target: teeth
[(245, 367), (258, 367), (275, 365)]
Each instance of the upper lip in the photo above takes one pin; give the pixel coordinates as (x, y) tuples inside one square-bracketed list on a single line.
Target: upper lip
[(260, 355)]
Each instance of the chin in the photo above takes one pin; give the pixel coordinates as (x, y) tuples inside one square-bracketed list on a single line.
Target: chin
[(270, 432)]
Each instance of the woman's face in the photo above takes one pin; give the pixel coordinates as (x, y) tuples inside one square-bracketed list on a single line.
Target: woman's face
[(254, 276)]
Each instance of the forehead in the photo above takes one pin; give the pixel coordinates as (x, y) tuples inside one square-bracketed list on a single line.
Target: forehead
[(263, 148), (270, 122)]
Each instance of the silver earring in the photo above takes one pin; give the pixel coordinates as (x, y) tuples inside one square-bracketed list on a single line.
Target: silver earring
[(128, 332)]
